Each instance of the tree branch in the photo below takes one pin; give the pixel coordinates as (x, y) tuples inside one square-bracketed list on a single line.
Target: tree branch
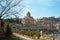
[(3, 11), (9, 7)]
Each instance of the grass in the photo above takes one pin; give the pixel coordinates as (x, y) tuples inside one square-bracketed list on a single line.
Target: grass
[(16, 38), (13, 38)]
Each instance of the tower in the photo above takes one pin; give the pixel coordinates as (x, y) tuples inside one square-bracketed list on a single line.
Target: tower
[(28, 14), (28, 20)]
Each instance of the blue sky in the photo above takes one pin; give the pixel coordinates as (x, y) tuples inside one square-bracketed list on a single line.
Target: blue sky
[(42, 8)]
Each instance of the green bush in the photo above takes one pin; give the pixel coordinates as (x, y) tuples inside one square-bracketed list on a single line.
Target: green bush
[(8, 31), (18, 39)]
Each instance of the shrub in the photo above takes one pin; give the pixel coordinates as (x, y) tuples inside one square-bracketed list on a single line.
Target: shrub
[(8, 31)]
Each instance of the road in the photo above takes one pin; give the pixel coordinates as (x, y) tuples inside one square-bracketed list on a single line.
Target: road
[(23, 37)]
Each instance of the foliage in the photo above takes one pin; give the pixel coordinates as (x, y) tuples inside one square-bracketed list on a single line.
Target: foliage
[(35, 34), (22, 32), (14, 38), (8, 31), (10, 20), (47, 37), (30, 33), (18, 39)]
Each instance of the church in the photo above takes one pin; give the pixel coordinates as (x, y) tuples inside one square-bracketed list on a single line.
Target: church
[(28, 20)]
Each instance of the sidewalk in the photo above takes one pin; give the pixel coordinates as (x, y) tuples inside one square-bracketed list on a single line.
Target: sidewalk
[(23, 37)]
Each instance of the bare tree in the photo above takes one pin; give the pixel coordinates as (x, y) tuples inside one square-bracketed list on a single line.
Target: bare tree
[(7, 8)]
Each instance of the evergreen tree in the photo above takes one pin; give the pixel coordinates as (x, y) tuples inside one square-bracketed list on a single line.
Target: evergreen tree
[(8, 31)]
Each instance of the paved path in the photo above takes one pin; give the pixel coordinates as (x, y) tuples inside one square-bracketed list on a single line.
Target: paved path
[(23, 37)]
